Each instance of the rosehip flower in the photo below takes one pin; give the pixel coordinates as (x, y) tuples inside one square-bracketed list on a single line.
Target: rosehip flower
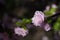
[(38, 18), (21, 31), (47, 27)]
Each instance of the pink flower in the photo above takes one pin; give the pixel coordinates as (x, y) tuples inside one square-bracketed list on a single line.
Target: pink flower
[(21, 31), (38, 18), (47, 27), (47, 8), (54, 6)]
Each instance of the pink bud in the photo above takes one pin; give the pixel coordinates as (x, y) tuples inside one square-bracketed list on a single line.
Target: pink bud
[(38, 18), (47, 27)]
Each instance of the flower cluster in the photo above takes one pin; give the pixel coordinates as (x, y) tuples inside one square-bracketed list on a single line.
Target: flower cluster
[(38, 20)]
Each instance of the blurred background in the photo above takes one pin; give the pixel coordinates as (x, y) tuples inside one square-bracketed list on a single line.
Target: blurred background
[(13, 10)]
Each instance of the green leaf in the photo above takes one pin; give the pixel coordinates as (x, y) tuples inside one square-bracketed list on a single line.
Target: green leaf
[(50, 12), (56, 26), (18, 23), (26, 20), (49, 21), (23, 26)]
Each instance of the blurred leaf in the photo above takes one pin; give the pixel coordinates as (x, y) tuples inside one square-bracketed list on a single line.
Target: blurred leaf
[(18, 23), (26, 20), (23, 26), (50, 12), (23, 23), (57, 24), (49, 21)]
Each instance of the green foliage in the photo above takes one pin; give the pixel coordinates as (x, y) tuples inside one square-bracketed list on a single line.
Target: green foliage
[(26, 20), (18, 23), (50, 12), (23, 26), (57, 24), (49, 21), (23, 23)]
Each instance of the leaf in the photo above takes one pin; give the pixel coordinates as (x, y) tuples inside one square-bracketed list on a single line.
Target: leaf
[(23, 26), (56, 26), (26, 20), (50, 12), (49, 21), (18, 23)]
